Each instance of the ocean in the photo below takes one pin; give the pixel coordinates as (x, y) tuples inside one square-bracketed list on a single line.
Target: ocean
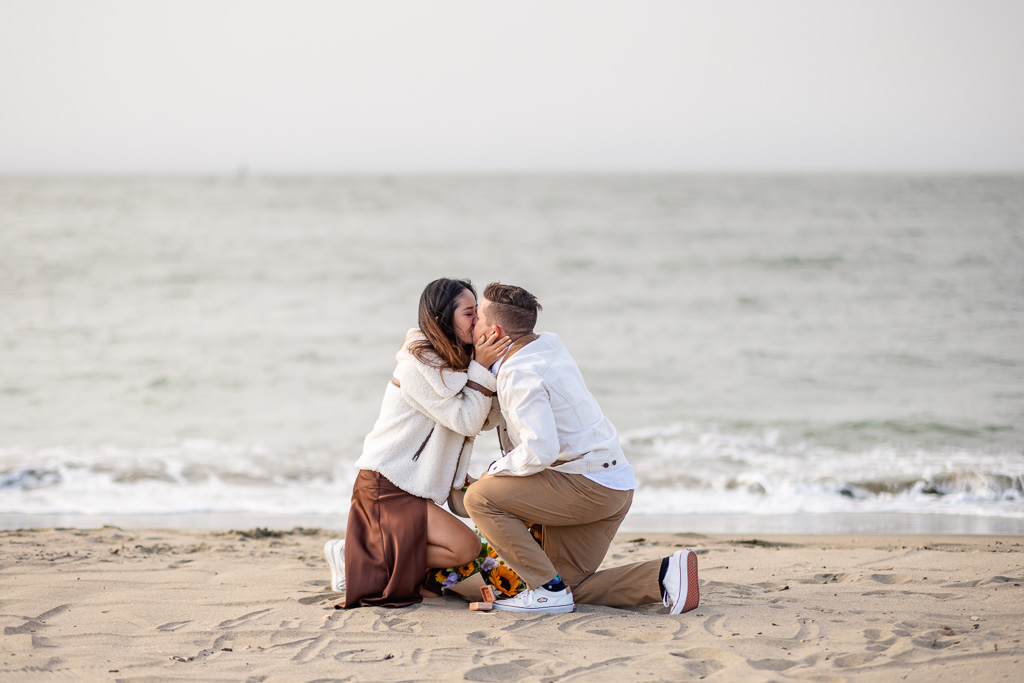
[(190, 350)]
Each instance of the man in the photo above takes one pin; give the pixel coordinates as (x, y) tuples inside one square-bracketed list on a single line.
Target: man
[(562, 468)]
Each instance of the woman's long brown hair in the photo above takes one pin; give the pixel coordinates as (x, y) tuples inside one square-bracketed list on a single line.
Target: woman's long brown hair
[(442, 348)]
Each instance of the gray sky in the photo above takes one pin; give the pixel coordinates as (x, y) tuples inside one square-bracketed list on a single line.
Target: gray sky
[(479, 85)]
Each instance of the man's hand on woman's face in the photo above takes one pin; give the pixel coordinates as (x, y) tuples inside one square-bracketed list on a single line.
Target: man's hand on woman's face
[(489, 347)]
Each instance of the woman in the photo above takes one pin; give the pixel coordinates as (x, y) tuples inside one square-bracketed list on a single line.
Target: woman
[(438, 400)]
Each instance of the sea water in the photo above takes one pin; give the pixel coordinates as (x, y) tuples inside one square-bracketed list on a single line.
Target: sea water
[(766, 345)]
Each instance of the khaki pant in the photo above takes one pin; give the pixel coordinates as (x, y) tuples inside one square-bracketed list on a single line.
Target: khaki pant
[(579, 519)]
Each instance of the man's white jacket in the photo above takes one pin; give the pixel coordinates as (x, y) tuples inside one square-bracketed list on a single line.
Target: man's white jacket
[(549, 417)]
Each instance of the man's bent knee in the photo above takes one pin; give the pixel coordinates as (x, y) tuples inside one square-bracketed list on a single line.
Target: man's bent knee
[(476, 500)]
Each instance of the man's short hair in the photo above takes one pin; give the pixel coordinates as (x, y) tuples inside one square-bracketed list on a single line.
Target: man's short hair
[(514, 308)]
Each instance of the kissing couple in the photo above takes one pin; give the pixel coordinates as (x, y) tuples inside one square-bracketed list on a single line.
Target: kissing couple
[(547, 509)]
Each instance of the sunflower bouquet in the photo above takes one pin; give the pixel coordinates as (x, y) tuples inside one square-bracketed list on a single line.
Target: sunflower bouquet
[(491, 568)]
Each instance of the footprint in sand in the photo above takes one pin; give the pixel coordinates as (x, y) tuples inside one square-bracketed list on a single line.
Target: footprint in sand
[(638, 638), (528, 622), (770, 664), (312, 648), (704, 661), (509, 671), (935, 640), (402, 625), (880, 640), (905, 629), (712, 626), (853, 660), (33, 624), (888, 579), (319, 600), (829, 577), (582, 673), (773, 587), (303, 643), (171, 626), (1000, 580), (808, 629), (51, 666), (490, 639), (244, 619), (365, 656), (39, 643), (701, 668), (442, 659), (722, 588), (619, 628)]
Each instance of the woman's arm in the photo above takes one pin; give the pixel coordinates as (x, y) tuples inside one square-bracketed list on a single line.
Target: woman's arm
[(446, 397), (460, 401)]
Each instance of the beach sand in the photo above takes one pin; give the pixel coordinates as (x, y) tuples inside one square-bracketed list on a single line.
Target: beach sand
[(112, 604)]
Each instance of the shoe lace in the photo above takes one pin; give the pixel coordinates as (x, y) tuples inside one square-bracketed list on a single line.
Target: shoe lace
[(527, 598)]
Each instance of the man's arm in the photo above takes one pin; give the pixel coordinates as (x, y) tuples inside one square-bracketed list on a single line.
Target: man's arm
[(528, 416)]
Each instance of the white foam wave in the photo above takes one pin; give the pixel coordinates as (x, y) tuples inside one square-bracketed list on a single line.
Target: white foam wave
[(690, 470), (193, 477), (681, 470)]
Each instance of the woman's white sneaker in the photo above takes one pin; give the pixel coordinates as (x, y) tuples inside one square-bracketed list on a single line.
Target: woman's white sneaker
[(334, 549), (538, 600), (682, 592)]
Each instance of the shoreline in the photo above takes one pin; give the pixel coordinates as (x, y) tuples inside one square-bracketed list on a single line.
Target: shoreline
[(146, 604), (878, 523)]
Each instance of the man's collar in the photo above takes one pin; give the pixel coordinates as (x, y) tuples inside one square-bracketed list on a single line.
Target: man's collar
[(516, 347)]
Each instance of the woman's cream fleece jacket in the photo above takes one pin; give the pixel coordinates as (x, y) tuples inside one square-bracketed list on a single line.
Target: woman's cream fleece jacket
[(423, 438)]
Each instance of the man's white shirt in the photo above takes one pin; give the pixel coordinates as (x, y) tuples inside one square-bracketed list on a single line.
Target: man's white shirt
[(549, 411)]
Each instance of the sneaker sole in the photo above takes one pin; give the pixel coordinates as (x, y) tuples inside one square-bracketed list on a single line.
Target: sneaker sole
[(334, 550), (692, 585), (561, 609)]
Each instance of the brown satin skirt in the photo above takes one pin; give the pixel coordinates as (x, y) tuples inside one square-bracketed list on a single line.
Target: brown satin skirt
[(385, 544)]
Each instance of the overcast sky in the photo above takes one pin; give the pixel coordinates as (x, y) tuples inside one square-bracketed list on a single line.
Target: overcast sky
[(477, 85)]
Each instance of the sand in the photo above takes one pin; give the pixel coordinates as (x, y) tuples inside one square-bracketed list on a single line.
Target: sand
[(112, 604)]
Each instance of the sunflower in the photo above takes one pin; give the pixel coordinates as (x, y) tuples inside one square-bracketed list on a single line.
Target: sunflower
[(504, 579), (467, 569)]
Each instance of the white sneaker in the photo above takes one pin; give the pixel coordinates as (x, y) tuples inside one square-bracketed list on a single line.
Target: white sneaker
[(334, 549), (682, 592), (538, 600)]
